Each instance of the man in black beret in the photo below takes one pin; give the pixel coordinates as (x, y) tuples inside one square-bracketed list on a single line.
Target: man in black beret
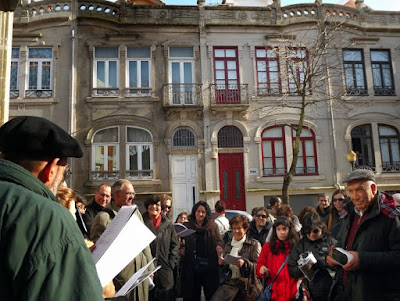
[(370, 232), (43, 254)]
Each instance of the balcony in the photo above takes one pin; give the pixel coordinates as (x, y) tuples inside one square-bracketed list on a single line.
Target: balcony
[(139, 174), (179, 97), (357, 91), (14, 93), (391, 167), (229, 97), (384, 91), (38, 93), (106, 92), (138, 92), (103, 175)]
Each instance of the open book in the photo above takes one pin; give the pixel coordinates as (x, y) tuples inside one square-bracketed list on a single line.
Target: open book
[(182, 231), (136, 279), (230, 259), (124, 238), (306, 263)]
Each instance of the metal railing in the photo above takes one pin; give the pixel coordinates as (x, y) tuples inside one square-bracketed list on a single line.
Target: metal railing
[(105, 175), (229, 94), (38, 93), (182, 94), (106, 92), (139, 174), (384, 91)]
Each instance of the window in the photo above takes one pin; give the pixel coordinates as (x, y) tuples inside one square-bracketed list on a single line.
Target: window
[(307, 159), (230, 136), (273, 151), (298, 71), (267, 65), (39, 72), (354, 71), (227, 88), (139, 152), (106, 70), (361, 139), (382, 72), (275, 160), (389, 144), (183, 138), (105, 151), (182, 89), (138, 71), (14, 92)]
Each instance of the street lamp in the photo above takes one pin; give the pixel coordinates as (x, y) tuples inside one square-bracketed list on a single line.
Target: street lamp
[(352, 157)]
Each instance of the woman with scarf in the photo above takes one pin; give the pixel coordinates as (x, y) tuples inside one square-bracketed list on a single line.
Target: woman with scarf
[(273, 256), (248, 249), (200, 259)]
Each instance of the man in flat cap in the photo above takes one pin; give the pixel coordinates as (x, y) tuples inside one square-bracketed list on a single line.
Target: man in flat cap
[(370, 231), (43, 254)]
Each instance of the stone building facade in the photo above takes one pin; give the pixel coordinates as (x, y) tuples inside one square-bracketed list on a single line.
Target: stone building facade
[(189, 100)]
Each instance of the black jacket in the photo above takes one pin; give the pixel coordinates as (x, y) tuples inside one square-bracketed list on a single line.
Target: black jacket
[(377, 242), (91, 211), (321, 283), (262, 235)]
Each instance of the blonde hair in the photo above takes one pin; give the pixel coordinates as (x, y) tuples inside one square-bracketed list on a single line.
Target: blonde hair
[(65, 195)]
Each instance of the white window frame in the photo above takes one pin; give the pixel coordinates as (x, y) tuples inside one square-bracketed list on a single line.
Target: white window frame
[(40, 62), (138, 75), (139, 146), (106, 69), (17, 61)]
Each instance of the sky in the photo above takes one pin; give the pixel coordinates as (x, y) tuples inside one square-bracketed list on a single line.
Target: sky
[(374, 4)]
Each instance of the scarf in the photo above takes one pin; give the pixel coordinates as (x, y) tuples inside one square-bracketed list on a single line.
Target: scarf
[(236, 247), (156, 221)]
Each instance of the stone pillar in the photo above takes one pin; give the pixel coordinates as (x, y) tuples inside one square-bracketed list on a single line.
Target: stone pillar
[(6, 29)]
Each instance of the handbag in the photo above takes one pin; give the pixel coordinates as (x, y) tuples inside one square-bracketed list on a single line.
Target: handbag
[(267, 292), (253, 287)]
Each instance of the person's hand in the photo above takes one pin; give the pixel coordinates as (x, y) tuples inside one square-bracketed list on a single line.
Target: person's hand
[(330, 260), (152, 276), (353, 264), (263, 270), (239, 262), (221, 261), (219, 250)]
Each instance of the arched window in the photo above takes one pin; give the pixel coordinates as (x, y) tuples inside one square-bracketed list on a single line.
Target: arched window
[(273, 151), (389, 144), (230, 136), (307, 158), (139, 150), (361, 139), (105, 151), (183, 138)]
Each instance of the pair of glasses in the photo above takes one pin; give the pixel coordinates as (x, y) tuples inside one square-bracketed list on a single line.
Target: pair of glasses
[(67, 173), (315, 231), (131, 193), (338, 200), (168, 207), (261, 215)]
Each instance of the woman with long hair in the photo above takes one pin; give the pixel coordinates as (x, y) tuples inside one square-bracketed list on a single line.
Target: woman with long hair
[(200, 261), (273, 256)]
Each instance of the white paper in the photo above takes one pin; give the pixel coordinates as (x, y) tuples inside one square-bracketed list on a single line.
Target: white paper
[(182, 231), (230, 259), (136, 279), (125, 237)]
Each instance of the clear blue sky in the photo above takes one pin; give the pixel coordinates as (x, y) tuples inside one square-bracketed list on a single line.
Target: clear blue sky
[(374, 4)]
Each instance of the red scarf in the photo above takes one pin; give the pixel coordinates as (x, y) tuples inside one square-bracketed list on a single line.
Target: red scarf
[(156, 221)]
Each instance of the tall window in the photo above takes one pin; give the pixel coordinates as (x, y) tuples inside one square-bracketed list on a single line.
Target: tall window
[(307, 158), (274, 151), (268, 78), (382, 72), (389, 144), (14, 73), (106, 70), (354, 70), (105, 151), (230, 136), (226, 68), (183, 138), (138, 70), (361, 139), (298, 71), (182, 89), (39, 72), (139, 153)]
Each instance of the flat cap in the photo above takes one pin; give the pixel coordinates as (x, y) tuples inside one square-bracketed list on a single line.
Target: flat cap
[(360, 174), (37, 138)]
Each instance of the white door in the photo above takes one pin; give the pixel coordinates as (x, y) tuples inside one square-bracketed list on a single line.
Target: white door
[(184, 183)]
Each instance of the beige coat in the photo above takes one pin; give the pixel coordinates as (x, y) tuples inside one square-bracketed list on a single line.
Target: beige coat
[(99, 224)]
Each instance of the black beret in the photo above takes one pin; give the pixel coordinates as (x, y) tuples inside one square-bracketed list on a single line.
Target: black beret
[(37, 138), (360, 174)]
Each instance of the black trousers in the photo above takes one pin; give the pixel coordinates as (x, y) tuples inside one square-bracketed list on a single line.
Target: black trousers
[(209, 281)]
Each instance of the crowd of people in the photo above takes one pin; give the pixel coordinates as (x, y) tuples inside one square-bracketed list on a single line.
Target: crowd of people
[(45, 249)]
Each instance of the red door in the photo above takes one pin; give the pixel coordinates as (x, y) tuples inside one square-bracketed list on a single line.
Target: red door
[(231, 180)]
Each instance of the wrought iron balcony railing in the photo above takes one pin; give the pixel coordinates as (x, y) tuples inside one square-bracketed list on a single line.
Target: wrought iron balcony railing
[(229, 94), (136, 92), (391, 166), (384, 91), (105, 92), (100, 175), (182, 95), (359, 91), (14, 93), (139, 174), (300, 171), (367, 166), (38, 93)]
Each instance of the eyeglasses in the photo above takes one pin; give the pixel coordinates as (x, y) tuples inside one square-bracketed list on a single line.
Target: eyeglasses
[(67, 173), (315, 231), (168, 207), (338, 200), (261, 215), (130, 193)]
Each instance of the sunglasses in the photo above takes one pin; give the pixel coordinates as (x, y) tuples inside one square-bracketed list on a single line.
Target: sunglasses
[(261, 215), (168, 207), (338, 200), (315, 231)]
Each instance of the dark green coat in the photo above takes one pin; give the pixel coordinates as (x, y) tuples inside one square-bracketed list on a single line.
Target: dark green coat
[(43, 254)]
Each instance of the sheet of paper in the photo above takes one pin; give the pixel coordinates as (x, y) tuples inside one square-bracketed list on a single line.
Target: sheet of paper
[(182, 231), (230, 259), (127, 239)]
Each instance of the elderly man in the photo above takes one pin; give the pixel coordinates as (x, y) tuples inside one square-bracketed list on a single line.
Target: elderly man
[(371, 233), (102, 197), (43, 255), (123, 193)]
